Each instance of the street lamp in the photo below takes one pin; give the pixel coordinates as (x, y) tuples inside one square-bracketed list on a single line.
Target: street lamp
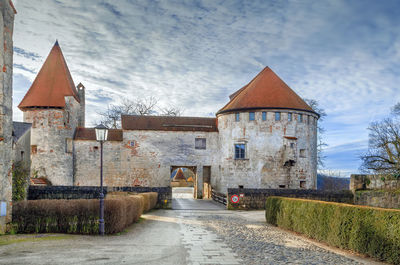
[(101, 136)]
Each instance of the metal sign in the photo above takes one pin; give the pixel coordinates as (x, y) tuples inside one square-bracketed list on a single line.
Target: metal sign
[(234, 198), (241, 195)]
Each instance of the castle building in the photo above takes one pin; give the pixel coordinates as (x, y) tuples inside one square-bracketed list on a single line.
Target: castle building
[(264, 137)]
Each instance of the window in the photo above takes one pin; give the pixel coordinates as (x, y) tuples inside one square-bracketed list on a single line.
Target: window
[(33, 149), (300, 117), (302, 184), (264, 116), (282, 186), (68, 145), (277, 116), (289, 116), (240, 151), (308, 119), (251, 116), (22, 155), (237, 117), (200, 143), (292, 145), (302, 153)]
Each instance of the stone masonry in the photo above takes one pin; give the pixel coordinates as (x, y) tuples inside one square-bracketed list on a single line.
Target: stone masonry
[(7, 13)]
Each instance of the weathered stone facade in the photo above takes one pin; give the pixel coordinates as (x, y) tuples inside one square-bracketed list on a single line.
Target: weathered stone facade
[(7, 13), (279, 154), (52, 135), (145, 158)]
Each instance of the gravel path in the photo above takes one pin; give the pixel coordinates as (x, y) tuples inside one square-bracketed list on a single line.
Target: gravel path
[(256, 242)]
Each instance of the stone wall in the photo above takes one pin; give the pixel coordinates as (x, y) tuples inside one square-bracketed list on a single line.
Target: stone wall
[(7, 13), (279, 154), (145, 158), (255, 198), (378, 198), (373, 182), (93, 192), (52, 141), (376, 191)]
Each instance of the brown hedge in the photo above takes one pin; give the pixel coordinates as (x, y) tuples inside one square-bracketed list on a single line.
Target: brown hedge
[(149, 198), (75, 216), (367, 230)]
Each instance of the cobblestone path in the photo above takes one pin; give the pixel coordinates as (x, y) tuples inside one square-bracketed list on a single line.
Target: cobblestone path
[(196, 232)]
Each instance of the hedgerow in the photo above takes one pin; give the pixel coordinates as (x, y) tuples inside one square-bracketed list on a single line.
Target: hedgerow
[(76, 216), (367, 230)]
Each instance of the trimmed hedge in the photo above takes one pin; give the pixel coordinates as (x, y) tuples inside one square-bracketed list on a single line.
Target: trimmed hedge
[(149, 198), (367, 230), (75, 216)]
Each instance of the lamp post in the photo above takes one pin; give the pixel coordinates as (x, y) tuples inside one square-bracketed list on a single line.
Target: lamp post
[(101, 136)]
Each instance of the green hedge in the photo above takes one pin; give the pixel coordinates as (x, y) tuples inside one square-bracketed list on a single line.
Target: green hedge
[(367, 230), (75, 216)]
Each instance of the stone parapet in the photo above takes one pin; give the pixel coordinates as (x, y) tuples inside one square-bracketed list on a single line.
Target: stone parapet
[(373, 182), (254, 199)]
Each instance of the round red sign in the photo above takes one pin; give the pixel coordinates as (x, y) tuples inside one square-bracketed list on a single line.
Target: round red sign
[(234, 198)]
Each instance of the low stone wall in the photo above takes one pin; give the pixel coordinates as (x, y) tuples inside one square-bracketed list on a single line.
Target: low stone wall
[(93, 192), (254, 199), (378, 198), (373, 182)]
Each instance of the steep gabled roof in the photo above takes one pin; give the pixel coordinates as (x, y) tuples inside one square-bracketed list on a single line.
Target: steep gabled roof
[(52, 83), (168, 123), (265, 91)]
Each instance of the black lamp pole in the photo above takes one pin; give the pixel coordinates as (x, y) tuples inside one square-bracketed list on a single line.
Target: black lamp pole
[(101, 225), (101, 136)]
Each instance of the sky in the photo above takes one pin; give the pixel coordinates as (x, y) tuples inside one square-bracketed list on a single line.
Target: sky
[(193, 54)]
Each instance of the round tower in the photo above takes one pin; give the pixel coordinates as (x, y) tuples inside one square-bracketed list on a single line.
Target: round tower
[(52, 105), (267, 137)]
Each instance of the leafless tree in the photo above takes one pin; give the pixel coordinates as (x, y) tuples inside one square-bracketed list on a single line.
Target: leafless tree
[(147, 106), (171, 111), (320, 143), (383, 155)]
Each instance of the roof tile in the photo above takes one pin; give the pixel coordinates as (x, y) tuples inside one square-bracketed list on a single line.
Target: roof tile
[(168, 123), (265, 91), (52, 83), (90, 134)]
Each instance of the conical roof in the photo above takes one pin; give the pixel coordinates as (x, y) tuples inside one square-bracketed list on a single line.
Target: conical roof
[(265, 91), (52, 83), (179, 175)]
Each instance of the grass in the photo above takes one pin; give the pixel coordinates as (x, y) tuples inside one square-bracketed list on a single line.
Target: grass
[(13, 239)]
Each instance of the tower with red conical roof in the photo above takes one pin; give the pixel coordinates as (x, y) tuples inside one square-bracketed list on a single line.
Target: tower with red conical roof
[(267, 137), (55, 107)]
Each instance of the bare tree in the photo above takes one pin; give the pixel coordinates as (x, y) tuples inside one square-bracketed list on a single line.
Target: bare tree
[(171, 111), (320, 130), (147, 106), (383, 155)]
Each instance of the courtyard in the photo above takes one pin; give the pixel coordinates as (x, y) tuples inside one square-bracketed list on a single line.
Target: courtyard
[(193, 232)]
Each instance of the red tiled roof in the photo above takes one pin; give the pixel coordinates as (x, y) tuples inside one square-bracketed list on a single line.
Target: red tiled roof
[(90, 134), (168, 123), (39, 181), (265, 91), (52, 83), (179, 175)]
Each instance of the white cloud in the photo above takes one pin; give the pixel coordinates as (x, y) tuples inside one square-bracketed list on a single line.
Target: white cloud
[(193, 54)]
